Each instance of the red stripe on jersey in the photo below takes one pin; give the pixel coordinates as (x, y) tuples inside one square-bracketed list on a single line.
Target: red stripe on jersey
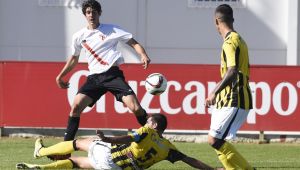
[(94, 54)]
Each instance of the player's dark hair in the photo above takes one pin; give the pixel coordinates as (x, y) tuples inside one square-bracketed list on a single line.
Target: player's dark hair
[(161, 121), (224, 13), (92, 4)]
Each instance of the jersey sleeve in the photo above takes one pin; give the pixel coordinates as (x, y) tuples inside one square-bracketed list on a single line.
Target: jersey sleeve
[(231, 53), (175, 155), (139, 134), (76, 45), (121, 34)]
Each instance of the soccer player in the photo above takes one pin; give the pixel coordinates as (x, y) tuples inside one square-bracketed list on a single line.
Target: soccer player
[(232, 95), (99, 41), (140, 150)]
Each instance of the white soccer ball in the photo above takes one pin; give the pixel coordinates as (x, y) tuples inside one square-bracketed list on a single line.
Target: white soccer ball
[(156, 83)]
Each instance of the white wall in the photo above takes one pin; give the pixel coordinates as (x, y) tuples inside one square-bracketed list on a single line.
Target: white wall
[(30, 32), (170, 30)]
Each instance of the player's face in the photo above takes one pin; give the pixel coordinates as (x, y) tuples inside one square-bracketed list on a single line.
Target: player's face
[(92, 16), (150, 123)]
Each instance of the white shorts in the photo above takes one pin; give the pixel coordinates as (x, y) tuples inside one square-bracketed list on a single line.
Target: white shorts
[(100, 156), (225, 122)]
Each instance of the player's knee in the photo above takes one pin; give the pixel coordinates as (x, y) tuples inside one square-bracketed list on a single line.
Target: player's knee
[(83, 144), (132, 103), (77, 144), (75, 162)]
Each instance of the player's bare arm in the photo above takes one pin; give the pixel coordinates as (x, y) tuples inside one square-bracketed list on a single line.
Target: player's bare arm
[(126, 139), (70, 64), (141, 51), (229, 76)]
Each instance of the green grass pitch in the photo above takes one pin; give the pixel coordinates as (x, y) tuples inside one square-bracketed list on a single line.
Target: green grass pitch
[(263, 156)]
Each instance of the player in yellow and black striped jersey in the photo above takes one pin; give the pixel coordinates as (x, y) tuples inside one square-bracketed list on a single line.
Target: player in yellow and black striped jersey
[(235, 54), (136, 151), (149, 147), (232, 96)]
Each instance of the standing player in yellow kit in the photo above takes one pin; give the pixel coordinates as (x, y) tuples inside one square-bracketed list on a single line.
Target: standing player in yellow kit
[(232, 95)]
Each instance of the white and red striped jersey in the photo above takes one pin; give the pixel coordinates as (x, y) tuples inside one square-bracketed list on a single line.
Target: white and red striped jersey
[(100, 46)]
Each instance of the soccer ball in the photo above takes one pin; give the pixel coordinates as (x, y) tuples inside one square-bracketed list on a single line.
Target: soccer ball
[(156, 83)]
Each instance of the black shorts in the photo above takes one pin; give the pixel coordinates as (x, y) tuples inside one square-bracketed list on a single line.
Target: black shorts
[(112, 80)]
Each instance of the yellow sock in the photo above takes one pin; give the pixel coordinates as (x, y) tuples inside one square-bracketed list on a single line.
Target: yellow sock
[(234, 158), (61, 164), (224, 161), (61, 148)]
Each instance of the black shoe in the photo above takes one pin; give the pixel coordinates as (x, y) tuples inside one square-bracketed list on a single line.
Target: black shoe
[(27, 166)]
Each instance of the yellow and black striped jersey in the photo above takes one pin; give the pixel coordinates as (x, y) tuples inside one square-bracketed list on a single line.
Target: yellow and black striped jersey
[(235, 54), (148, 149)]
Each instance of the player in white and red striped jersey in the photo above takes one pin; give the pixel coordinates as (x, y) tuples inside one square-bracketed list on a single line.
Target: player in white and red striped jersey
[(99, 41)]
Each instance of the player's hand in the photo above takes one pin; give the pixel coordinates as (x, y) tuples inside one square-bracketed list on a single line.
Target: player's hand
[(100, 134), (145, 60), (62, 84), (210, 100)]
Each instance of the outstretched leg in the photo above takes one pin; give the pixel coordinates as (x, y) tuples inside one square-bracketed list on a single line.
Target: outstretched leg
[(61, 148), (61, 164), (73, 162)]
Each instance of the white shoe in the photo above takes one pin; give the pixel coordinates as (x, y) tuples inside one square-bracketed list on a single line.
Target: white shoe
[(38, 145)]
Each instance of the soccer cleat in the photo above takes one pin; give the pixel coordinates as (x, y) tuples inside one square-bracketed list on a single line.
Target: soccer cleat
[(27, 166), (38, 145)]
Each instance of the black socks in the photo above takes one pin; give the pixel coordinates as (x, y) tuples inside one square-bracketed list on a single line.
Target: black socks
[(142, 119), (73, 124), (218, 144)]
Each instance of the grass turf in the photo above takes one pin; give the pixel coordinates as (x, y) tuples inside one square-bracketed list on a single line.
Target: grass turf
[(263, 156)]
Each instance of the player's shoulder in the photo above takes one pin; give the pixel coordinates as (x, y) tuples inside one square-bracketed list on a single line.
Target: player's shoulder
[(233, 38), (80, 33), (109, 26), (146, 129)]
